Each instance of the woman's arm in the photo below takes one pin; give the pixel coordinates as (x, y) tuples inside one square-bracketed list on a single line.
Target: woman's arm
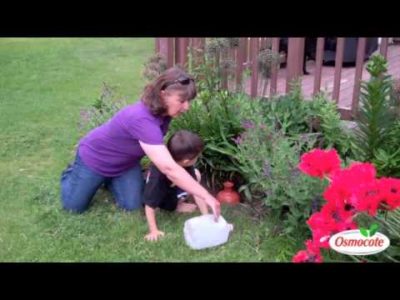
[(200, 203), (163, 160)]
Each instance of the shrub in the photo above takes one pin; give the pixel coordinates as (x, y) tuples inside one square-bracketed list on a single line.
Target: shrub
[(376, 138)]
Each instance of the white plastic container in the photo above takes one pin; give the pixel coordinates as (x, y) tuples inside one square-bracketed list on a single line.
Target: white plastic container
[(204, 232)]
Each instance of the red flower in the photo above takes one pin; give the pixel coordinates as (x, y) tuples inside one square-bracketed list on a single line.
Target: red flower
[(390, 192), (364, 172), (301, 256), (321, 221), (367, 197), (338, 192), (341, 217), (312, 248), (330, 220), (321, 238), (342, 226), (316, 258), (307, 256), (345, 182), (312, 254), (354, 189), (319, 163)]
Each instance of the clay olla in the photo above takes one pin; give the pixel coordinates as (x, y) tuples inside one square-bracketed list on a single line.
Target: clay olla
[(228, 194)]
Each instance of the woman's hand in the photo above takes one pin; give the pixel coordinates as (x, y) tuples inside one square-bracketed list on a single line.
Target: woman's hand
[(154, 235)]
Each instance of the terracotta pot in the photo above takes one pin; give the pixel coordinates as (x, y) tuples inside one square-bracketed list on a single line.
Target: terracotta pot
[(228, 195)]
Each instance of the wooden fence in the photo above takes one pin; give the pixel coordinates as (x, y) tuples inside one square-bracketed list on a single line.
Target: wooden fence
[(245, 54)]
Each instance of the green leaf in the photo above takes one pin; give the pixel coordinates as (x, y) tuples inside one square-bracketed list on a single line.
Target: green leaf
[(373, 229), (364, 232)]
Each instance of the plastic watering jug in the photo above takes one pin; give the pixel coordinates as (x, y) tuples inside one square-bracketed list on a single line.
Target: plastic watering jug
[(204, 232)]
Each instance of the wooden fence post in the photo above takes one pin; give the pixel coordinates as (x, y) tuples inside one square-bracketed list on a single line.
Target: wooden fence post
[(294, 60)]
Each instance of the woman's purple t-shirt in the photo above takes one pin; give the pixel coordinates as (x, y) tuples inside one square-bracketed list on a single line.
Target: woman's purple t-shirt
[(114, 148)]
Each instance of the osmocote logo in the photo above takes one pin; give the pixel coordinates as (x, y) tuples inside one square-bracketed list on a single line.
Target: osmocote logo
[(360, 241)]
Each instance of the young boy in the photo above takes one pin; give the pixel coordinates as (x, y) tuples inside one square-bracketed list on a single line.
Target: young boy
[(159, 192)]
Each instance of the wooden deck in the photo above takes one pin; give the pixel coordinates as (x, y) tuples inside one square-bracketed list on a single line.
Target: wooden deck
[(347, 78)]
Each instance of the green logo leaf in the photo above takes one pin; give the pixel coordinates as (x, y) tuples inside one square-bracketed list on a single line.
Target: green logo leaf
[(373, 229), (364, 232)]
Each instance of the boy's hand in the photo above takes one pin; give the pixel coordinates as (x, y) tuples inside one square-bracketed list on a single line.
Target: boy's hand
[(154, 235)]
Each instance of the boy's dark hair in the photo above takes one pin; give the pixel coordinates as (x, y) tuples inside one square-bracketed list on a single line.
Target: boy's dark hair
[(184, 144), (173, 79)]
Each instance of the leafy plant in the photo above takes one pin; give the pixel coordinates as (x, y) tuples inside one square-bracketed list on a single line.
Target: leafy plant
[(324, 117), (271, 175), (376, 120), (298, 117), (216, 120), (233, 126)]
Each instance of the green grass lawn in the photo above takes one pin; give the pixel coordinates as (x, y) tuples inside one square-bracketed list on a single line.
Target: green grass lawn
[(43, 85)]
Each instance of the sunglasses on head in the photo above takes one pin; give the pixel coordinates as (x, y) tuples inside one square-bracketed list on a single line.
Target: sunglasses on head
[(182, 80)]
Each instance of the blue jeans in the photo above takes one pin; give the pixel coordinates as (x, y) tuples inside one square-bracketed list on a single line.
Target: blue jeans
[(79, 184)]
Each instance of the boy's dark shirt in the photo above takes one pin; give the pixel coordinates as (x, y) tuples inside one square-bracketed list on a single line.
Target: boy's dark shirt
[(159, 192)]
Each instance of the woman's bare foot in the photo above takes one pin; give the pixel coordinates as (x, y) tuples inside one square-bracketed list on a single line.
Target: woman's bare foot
[(186, 207)]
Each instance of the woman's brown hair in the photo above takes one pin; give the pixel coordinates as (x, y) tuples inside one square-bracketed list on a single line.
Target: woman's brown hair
[(173, 79)]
